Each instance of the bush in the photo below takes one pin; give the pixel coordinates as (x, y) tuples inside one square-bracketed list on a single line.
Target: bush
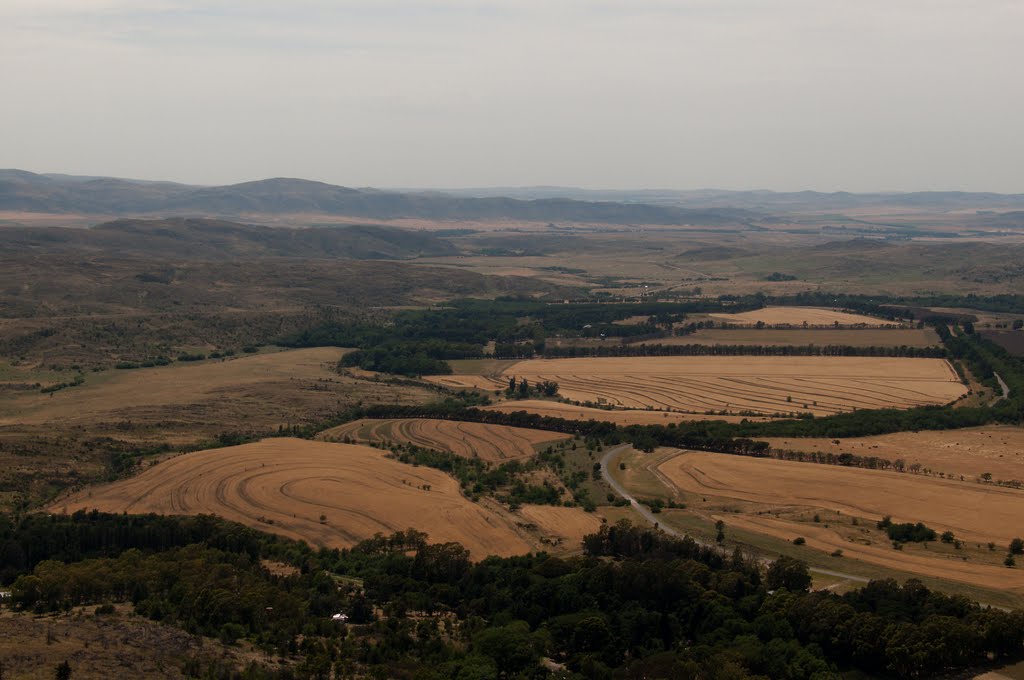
[(230, 633)]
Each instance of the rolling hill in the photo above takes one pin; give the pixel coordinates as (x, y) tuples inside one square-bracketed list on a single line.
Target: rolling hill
[(26, 191)]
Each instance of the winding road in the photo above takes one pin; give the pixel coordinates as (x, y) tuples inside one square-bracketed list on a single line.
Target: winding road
[(644, 512)]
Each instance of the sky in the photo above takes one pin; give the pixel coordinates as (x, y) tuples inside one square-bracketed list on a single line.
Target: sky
[(855, 95)]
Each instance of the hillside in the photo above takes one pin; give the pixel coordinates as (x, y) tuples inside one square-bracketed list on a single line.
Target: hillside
[(217, 239), (26, 191)]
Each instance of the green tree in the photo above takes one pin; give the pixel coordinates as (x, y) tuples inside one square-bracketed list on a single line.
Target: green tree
[(511, 646), (789, 573)]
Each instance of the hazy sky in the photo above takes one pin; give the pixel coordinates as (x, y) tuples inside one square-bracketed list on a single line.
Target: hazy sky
[(778, 94)]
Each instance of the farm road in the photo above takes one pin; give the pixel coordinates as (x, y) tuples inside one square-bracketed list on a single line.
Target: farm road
[(1003, 386), (649, 516)]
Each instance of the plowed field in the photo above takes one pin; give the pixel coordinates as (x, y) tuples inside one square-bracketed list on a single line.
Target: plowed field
[(975, 512), (286, 485), (764, 385), (493, 443)]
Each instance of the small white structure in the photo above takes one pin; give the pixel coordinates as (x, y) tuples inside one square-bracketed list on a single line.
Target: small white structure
[(340, 617)]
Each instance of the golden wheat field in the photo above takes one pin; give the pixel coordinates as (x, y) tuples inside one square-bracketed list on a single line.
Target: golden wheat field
[(760, 385), (327, 494), (619, 416), (971, 452), (494, 443), (797, 316), (974, 512)]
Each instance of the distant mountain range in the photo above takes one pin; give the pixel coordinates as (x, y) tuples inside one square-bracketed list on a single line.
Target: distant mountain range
[(26, 191), (763, 201)]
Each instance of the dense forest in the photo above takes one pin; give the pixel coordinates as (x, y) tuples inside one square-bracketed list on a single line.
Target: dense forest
[(636, 604)]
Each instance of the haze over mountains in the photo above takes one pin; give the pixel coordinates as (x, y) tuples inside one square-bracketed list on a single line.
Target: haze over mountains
[(26, 191), (58, 193), (759, 201)]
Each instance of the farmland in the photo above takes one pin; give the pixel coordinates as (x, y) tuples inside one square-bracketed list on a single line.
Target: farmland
[(775, 497), (328, 494), (185, 400), (849, 337), (555, 409), (1011, 341), (492, 443), (995, 449), (759, 385), (798, 316)]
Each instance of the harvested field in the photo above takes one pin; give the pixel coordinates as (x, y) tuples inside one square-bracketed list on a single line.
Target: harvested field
[(973, 512), (984, 513), (798, 337), (566, 526), (761, 385), (285, 486), (797, 316), (996, 449), (554, 409), (494, 443)]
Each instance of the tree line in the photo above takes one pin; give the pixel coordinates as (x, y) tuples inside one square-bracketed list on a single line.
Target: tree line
[(637, 603)]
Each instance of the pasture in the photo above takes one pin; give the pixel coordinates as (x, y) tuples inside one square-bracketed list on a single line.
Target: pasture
[(328, 494), (492, 443), (773, 497), (759, 385), (186, 401)]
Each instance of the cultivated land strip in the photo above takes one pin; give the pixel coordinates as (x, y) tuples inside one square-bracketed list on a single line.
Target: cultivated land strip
[(760, 385), (493, 443)]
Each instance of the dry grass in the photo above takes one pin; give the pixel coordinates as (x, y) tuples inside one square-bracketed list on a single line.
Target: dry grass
[(102, 647), (854, 337), (765, 385), (286, 485), (567, 526), (494, 443), (554, 409), (183, 402), (998, 449), (753, 488), (48, 443), (813, 316)]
